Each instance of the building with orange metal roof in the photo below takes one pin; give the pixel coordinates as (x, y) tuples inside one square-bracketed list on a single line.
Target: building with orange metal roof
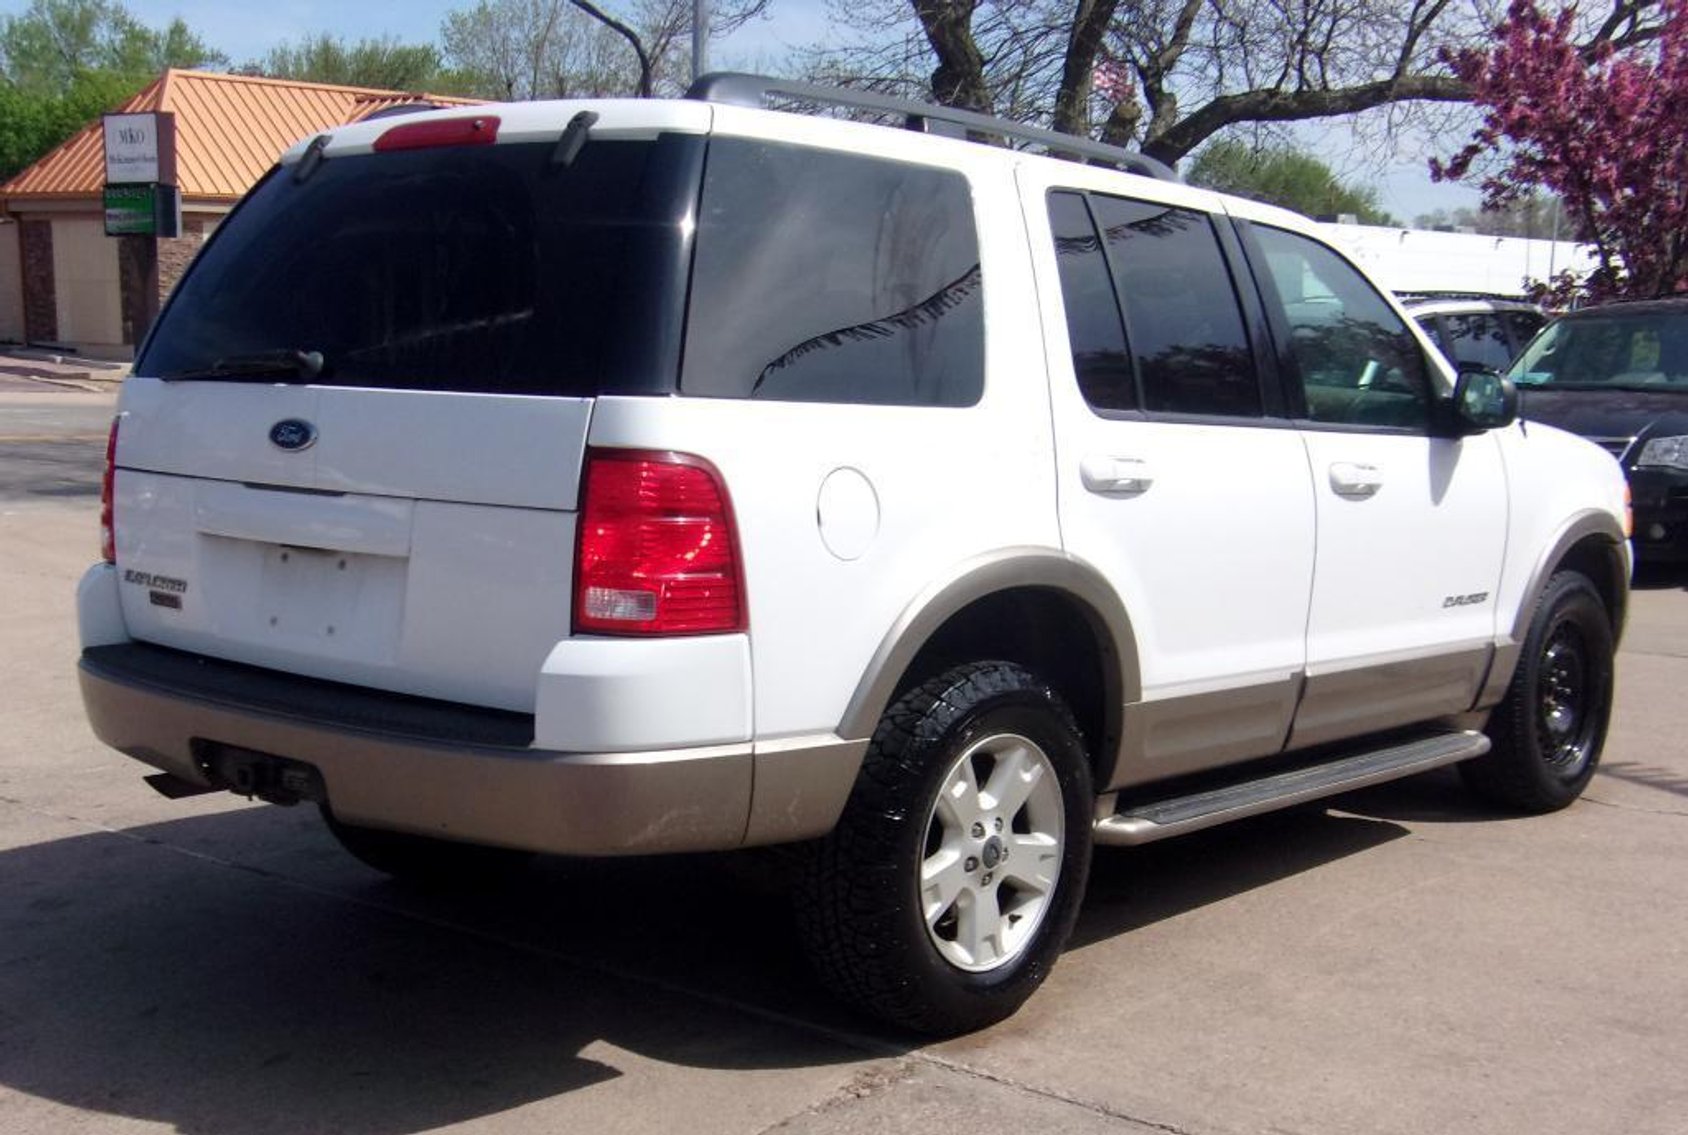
[(62, 280)]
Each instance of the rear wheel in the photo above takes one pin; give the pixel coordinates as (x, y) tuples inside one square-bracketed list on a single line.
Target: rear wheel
[(942, 898), (422, 861), (1549, 730)]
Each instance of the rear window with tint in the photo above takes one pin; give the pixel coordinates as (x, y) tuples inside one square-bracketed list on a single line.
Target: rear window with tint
[(479, 269), (1479, 338), (828, 277)]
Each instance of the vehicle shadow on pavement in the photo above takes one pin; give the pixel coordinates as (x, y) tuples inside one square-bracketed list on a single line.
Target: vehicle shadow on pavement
[(237, 972), (1133, 887), (155, 973), (1647, 776), (1435, 797)]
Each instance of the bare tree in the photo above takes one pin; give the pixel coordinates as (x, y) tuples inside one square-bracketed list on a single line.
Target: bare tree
[(525, 49), (1166, 75)]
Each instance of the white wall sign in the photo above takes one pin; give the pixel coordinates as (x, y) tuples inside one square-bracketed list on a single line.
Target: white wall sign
[(133, 143)]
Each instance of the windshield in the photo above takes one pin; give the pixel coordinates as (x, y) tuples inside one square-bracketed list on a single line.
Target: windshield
[(478, 269), (1648, 351)]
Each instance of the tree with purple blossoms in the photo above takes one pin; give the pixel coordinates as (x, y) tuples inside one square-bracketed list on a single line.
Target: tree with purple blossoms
[(1605, 131)]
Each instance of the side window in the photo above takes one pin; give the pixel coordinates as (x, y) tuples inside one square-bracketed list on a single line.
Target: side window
[(1181, 313), (1478, 338), (829, 277), (1358, 363), (1094, 330)]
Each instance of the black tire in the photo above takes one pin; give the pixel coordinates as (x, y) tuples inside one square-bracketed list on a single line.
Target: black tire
[(860, 902), (424, 862), (1548, 731)]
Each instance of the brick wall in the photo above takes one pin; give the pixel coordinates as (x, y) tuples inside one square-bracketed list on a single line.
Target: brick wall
[(40, 296), (174, 254)]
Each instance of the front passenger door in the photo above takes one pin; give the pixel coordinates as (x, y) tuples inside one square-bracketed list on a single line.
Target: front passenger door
[(1410, 526)]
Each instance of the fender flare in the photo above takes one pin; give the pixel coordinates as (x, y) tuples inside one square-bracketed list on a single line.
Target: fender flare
[(975, 579), (1589, 523)]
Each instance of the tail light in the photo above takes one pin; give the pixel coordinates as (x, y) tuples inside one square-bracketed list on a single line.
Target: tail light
[(108, 522), (658, 552), (1629, 512)]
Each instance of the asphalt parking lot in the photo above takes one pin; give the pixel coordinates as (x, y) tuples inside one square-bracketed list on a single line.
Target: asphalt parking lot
[(1398, 960)]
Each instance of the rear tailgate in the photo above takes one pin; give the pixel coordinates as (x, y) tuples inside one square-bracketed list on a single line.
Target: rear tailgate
[(423, 544), (400, 512)]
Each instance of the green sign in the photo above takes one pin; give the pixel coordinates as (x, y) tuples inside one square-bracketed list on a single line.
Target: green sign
[(131, 210), (142, 210)]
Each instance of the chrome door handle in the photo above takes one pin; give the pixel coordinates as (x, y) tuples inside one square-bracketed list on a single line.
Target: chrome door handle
[(1115, 476), (1356, 482)]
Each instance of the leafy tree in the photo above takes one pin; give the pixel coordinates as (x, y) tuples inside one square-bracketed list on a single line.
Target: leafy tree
[(1606, 130), (1167, 75), (384, 63), (64, 62), (1282, 176), (32, 123), (47, 47)]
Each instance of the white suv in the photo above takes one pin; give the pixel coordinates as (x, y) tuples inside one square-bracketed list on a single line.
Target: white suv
[(627, 477)]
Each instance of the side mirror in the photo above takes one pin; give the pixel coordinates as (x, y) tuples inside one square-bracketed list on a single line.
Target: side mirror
[(1483, 399)]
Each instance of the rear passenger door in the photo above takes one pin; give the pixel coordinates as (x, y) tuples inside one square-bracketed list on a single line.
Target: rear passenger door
[(1411, 525), (1175, 478)]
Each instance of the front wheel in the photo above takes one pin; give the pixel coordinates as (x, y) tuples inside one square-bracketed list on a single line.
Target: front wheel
[(943, 897), (1549, 729)]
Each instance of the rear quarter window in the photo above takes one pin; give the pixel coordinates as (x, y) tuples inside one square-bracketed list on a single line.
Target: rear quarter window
[(1479, 338), (830, 277)]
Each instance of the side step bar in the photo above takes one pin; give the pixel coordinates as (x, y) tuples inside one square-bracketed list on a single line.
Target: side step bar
[(1160, 819)]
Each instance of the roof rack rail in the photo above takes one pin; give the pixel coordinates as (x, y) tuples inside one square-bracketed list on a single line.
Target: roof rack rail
[(740, 89), (1458, 294)]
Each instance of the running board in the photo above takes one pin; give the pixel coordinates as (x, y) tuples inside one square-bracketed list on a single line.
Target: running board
[(1160, 819)]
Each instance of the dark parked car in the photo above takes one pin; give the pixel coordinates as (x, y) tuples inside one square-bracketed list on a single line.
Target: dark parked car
[(1618, 375), (1485, 330)]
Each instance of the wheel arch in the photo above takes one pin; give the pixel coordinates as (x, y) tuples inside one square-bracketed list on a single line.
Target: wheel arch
[(1593, 543), (1049, 611)]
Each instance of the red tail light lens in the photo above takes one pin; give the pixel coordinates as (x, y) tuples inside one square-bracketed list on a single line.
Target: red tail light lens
[(108, 526), (658, 553), (481, 130)]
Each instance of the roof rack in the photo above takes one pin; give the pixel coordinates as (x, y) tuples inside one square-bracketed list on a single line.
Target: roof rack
[(740, 89), (1457, 294)]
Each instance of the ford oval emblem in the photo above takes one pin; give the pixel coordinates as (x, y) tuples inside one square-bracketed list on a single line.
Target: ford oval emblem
[(292, 434)]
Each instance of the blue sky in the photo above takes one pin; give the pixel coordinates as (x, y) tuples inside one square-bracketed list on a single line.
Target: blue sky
[(246, 30)]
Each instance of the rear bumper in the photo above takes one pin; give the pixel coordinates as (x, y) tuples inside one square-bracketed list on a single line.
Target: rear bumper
[(453, 772)]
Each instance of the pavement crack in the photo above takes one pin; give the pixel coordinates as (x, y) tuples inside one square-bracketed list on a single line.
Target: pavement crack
[(863, 1085), (1051, 1094)]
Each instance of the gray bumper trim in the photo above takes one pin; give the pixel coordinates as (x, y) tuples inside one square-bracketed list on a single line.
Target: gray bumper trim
[(562, 803)]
